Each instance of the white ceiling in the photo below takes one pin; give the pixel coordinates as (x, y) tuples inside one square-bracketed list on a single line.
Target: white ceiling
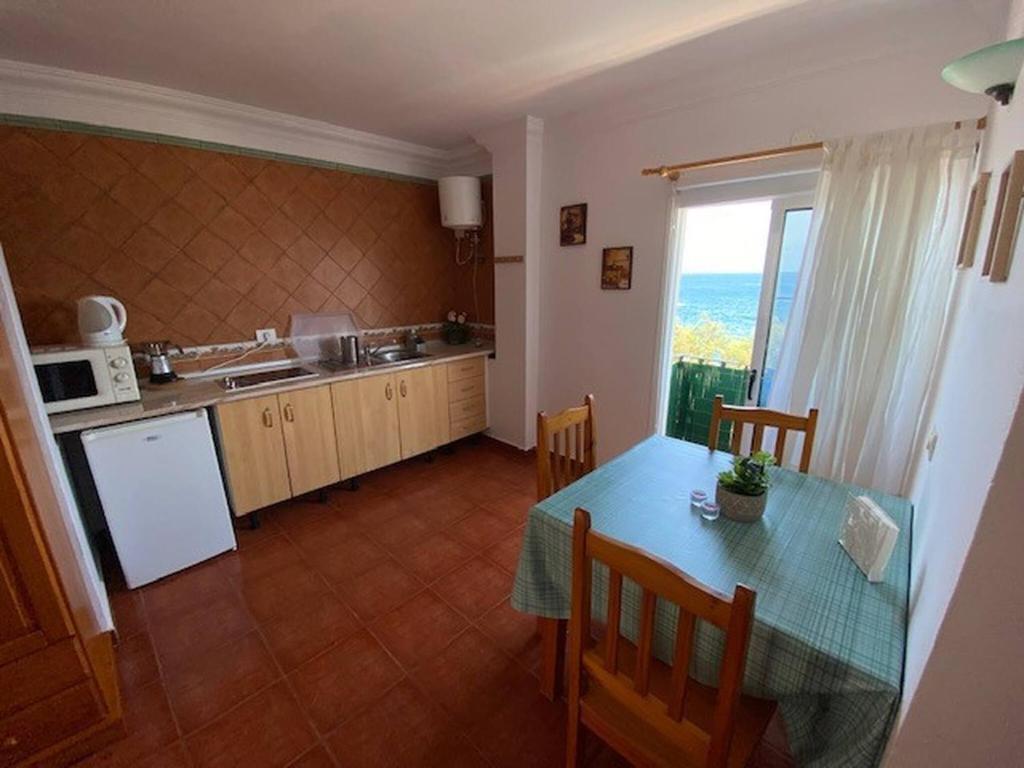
[(427, 71)]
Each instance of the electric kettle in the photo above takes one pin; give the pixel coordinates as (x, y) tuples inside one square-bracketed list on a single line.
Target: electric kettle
[(101, 320)]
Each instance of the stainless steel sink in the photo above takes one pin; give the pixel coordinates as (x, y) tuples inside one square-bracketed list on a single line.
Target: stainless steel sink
[(396, 356)]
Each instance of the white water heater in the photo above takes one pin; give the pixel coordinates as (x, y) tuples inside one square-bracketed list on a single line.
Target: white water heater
[(461, 207)]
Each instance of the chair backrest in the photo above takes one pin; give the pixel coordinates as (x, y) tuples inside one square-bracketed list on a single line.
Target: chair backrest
[(657, 579), (565, 447), (761, 418)]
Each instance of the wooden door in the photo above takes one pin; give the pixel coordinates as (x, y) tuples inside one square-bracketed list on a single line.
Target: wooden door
[(31, 612), (254, 455), (308, 425), (416, 411)]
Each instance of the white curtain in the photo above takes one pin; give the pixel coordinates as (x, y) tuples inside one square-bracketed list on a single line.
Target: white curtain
[(863, 338)]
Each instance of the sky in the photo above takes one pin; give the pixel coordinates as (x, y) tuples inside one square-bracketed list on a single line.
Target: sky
[(724, 238)]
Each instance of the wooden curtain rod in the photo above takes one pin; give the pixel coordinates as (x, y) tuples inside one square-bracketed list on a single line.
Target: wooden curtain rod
[(673, 171)]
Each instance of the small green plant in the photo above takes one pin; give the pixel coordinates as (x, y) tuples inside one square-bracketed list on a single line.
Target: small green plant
[(748, 476)]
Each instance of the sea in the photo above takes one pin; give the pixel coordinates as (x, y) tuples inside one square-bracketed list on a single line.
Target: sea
[(731, 299)]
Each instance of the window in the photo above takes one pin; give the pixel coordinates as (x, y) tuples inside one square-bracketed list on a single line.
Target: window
[(736, 263)]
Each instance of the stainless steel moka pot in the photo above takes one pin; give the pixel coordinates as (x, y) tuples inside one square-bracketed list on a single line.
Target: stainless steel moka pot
[(161, 370)]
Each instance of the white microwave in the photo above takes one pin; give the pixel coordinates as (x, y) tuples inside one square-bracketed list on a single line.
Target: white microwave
[(73, 378)]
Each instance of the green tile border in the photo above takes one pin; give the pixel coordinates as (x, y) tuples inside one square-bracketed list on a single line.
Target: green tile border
[(213, 146)]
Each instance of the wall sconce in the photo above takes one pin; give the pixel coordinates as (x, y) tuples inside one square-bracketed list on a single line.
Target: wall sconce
[(992, 70)]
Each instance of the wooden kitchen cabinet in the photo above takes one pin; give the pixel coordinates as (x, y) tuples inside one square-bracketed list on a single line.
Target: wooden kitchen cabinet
[(307, 421), (416, 411), (252, 442), (366, 423)]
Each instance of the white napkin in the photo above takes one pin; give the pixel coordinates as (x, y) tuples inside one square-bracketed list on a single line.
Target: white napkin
[(868, 536)]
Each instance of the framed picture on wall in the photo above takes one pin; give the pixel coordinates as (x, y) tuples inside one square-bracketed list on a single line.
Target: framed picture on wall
[(617, 268), (972, 226), (1007, 221), (572, 224)]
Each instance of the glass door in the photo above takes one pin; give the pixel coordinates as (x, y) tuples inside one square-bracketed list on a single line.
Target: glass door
[(737, 266)]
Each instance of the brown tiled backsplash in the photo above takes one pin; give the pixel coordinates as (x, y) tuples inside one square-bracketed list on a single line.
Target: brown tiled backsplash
[(206, 247)]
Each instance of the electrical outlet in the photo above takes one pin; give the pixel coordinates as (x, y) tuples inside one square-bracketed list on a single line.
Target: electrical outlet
[(266, 335)]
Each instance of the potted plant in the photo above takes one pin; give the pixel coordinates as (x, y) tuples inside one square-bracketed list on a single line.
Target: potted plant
[(743, 490), (455, 329)]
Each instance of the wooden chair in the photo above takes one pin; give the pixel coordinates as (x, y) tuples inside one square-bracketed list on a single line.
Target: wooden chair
[(565, 447), (761, 418), (650, 713)]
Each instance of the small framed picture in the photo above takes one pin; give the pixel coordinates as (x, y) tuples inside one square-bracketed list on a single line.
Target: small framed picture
[(1007, 220), (617, 268), (573, 224)]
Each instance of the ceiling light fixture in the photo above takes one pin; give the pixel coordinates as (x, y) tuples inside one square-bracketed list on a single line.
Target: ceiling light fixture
[(992, 70)]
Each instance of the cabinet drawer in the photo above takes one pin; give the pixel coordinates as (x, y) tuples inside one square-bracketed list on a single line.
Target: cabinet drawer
[(468, 426), (466, 369), (48, 722), (38, 675), (464, 389), (474, 407)]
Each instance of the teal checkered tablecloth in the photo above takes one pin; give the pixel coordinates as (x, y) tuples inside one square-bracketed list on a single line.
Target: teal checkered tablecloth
[(826, 644)]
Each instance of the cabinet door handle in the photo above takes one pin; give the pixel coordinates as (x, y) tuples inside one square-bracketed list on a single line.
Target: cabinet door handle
[(401, 387), (388, 393), (289, 412), (268, 418)]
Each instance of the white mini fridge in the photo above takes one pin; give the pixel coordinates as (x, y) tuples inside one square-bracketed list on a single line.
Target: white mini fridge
[(160, 486)]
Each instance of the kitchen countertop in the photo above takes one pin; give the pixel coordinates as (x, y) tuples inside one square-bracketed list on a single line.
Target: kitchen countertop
[(188, 394)]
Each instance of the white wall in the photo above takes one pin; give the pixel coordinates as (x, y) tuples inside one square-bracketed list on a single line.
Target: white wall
[(604, 341), (965, 659), (517, 151)]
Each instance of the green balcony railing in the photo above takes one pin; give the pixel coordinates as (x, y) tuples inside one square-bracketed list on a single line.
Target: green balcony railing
[(691, 393)]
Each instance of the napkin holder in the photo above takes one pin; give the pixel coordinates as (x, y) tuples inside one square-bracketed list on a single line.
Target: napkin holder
[(868, 536)]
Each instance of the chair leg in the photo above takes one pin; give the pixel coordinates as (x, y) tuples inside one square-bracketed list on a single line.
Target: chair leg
[(574, 738), (552, 664)]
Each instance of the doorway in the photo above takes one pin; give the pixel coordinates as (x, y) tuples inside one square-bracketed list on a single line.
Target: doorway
[(736, 264)]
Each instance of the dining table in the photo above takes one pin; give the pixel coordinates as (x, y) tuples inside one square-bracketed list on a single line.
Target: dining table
[(827, 644)]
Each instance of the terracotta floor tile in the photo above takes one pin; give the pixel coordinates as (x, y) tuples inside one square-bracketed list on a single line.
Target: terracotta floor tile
[(136, 661), (181, 638), (519, 710), (378, 590), (210, 685), (400, 528), (338, 683), (313, 627), (247, 536), (281, 591), (322, 532), (483, 488), (173, 756), (292, 514), (367, 507), (514, 632), (456, 676), (183, 591), (266, 556), (348, 558), (475, 587), (266, 731), (389, 731), (150, 726), (315, 758), (418, 629), (506, 552), (480, 529), (513, 507), (129, 614), (433, 556)]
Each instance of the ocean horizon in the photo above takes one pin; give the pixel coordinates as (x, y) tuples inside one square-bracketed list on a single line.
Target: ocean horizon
[(731, 299)]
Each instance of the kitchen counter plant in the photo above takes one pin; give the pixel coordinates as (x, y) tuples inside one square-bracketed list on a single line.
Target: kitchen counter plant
[(742, 491)]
